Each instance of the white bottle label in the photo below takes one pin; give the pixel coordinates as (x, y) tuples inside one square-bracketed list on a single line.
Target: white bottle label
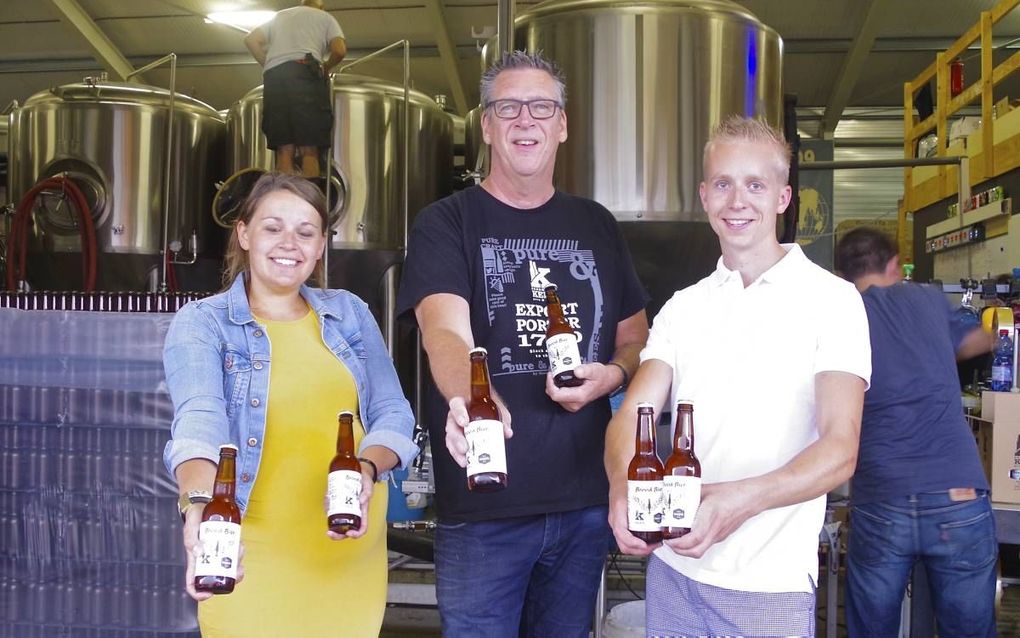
[(344, 491), (681, 496), (486, 450), (644, 506), (563, 353), (221, 542)]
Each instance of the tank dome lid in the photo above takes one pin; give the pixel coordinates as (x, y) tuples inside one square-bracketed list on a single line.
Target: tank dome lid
[(105, 91), (708, 6), (350, 83)]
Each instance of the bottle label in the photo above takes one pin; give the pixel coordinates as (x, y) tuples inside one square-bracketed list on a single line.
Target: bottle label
[(563, 353), (644, 506), (681, 496), (486, 450), (1002, 372), (221, 542), (344, 492)]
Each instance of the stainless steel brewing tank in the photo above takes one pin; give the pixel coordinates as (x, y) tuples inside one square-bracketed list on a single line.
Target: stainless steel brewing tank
[(367, 149), (111, 138), (646, 82)]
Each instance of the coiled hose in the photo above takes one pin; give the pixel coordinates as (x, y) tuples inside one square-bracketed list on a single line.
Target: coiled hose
[(17, 245)]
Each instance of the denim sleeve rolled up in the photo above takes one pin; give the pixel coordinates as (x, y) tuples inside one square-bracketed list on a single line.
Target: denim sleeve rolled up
[(385, 412), (217, 360), (193, 363)]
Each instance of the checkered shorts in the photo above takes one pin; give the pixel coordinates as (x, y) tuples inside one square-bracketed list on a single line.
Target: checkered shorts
[(676, 606)]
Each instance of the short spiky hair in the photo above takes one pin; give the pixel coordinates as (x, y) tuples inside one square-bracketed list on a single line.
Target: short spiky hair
[(522, 60), (864, 251), (737, 128)]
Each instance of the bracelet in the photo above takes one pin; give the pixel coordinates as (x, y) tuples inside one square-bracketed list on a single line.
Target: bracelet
[(372, 466), (626, 378)]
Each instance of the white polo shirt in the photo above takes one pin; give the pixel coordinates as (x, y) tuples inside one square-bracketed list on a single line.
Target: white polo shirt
[(748, 357)]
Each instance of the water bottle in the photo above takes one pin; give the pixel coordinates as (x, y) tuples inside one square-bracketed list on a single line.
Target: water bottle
[(1002, 363)]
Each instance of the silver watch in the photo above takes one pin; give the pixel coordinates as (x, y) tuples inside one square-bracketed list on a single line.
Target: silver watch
[(189, 499)]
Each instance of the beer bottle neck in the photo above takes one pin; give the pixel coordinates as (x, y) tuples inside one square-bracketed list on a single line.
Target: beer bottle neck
[(644, 443), (345, 437), (683, 437), (225, 478), (479, 381), (554, 308)]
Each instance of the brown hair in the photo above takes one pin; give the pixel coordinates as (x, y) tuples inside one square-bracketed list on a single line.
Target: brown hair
[(864, 251), (736, 128), (236, 258)]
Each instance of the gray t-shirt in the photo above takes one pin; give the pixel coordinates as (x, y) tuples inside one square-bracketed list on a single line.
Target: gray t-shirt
[(299, 30)]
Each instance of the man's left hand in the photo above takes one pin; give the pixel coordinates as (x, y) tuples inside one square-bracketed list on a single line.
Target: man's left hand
[(724, 507), (599, 380)]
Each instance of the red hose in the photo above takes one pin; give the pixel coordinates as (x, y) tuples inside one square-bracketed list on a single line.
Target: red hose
[(18, 242)]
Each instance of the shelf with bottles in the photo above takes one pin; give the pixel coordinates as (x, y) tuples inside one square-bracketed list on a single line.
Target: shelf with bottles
[(986, 216)]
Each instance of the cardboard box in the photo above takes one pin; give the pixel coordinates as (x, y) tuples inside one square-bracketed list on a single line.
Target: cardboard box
[(1003, 410)]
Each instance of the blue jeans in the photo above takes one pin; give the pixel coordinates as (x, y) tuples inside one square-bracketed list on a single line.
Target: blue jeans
[(533, 576), (956, 542)]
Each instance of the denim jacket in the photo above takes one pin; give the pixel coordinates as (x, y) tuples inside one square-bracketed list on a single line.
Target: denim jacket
[(217, 358)]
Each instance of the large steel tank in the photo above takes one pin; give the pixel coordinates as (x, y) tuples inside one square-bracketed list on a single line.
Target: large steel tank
[(646, 82), (367, 151), (110, 138)]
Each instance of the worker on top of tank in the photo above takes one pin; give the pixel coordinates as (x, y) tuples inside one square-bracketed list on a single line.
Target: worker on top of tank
[(291, 48)]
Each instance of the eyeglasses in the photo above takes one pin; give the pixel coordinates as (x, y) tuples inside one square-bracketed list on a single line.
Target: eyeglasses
[(511, 109)]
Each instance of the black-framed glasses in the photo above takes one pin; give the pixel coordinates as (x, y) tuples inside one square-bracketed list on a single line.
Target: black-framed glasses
[(510, 109)]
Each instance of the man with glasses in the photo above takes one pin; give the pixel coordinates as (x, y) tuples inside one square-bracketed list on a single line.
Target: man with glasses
[(525, 561)]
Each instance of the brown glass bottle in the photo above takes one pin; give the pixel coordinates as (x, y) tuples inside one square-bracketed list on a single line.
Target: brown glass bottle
[(486, 457), (644, 481), (681, 482), (560, 343), (343, 512), (220, 531)]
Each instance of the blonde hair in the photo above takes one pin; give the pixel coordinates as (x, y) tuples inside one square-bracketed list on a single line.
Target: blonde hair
[(737, 128), (236, 258)]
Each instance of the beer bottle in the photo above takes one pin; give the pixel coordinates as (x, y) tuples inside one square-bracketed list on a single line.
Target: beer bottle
[(220, 531), (681, 483), (644, 481), (344, 481), (486, 457), (560, 343)]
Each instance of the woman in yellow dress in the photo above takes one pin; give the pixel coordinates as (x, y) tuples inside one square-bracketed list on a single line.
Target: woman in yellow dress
[(266, 365)]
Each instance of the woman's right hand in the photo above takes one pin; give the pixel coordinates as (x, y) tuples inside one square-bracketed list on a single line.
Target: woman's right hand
[(193, 549)]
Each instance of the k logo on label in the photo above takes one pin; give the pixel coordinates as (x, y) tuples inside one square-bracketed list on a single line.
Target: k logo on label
[(538, 280)]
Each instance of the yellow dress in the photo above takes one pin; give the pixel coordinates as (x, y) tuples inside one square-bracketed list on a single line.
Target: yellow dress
[(298, 582)]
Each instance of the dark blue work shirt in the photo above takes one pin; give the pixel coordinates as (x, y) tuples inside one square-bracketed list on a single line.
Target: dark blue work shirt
[(914, 437)]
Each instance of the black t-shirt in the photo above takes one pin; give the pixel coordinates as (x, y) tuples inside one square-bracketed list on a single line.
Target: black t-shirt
[(500, 259)]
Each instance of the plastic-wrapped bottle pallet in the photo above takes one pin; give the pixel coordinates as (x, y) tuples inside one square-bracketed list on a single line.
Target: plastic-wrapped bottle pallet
[(90, 541)]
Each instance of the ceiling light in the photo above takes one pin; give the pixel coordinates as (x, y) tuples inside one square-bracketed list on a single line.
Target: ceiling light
[(243, 20)]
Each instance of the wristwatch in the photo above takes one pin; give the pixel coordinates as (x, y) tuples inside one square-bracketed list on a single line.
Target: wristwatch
[(189, 499)]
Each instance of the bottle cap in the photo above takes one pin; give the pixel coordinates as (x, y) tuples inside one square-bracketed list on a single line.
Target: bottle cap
[(481, 350), (684, 403), (645, 404), (549, 287), (228, 446), (341, 413)]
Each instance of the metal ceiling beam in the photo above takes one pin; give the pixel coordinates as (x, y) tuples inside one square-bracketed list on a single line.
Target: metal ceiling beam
[(799, 46), (105, 51), (853, 64), (188, 60), (447, 53)]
